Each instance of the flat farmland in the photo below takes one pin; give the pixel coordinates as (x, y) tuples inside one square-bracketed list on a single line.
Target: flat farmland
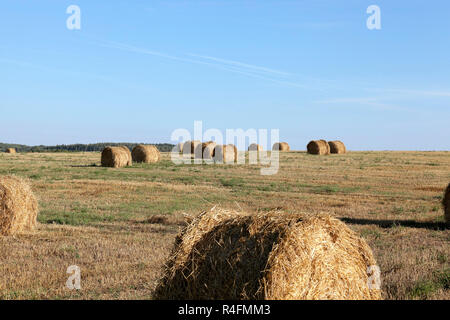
[(119, 225)]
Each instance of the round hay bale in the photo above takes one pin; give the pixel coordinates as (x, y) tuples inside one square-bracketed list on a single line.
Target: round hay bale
[(234, 255), (130, 159), (146, 153), (337, 147), (326, 145), (281, 146), (115, 157), (320, 147), (10, 150), (446, 204), (18, 206), (255, 147), (224, 153), (179, 147), (205, 150), (235, 150), (189, 147)]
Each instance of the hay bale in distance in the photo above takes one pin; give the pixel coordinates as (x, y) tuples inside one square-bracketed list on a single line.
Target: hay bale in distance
[(326, 145), (446, 204), (281, 146), (189, 147), (115, 157), (146, 154), (255, 147), (18, 206), (179, 147), (10, 150), (205, 150), (130, 158), (320, 147), (225, 153), (275, 256), (337, 147), (236, 153)]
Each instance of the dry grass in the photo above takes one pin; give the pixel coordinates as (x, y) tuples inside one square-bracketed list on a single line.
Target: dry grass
[(118, 225), (446, 204)]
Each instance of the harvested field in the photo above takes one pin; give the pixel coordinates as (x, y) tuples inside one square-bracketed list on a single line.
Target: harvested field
[(119, 225)]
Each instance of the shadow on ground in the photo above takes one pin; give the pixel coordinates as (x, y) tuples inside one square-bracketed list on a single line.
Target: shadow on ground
[(84, 166), (397, 223)]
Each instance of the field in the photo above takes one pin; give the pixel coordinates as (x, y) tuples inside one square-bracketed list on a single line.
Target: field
[(118, 225)]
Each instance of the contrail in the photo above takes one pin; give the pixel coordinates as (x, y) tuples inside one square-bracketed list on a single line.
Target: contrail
[(231, 66), (240, 64)]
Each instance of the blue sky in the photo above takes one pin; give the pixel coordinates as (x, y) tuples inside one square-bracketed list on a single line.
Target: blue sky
[(137, 70)]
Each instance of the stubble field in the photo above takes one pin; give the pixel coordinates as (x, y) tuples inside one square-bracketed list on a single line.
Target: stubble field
[(118, 225)]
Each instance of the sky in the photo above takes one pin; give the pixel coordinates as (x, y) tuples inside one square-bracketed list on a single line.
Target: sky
[(137, 70)]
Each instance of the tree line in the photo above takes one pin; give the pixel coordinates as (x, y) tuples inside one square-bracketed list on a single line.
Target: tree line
[(93, 147)]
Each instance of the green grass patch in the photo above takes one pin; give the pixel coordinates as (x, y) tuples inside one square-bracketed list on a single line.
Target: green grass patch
[(424, 289), (186, 180), (398, 210), (233, 182)]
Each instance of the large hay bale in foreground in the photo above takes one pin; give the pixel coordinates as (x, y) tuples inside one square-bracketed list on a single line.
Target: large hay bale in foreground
[(115, 157), (225, 153), (446, 204), (18, 206), (10, 150), (146, 154), (320, 147), (281, 146), (231, 255), (189, 147), (337, 147), (255, 147)]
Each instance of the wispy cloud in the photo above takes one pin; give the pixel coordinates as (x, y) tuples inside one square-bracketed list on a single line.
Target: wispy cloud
[(347, 100), (316, 25), (420, 92), (241, 65), (372, 102), (237, 67)]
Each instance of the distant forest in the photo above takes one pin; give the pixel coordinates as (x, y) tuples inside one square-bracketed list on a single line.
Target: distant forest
[(94, 147)]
